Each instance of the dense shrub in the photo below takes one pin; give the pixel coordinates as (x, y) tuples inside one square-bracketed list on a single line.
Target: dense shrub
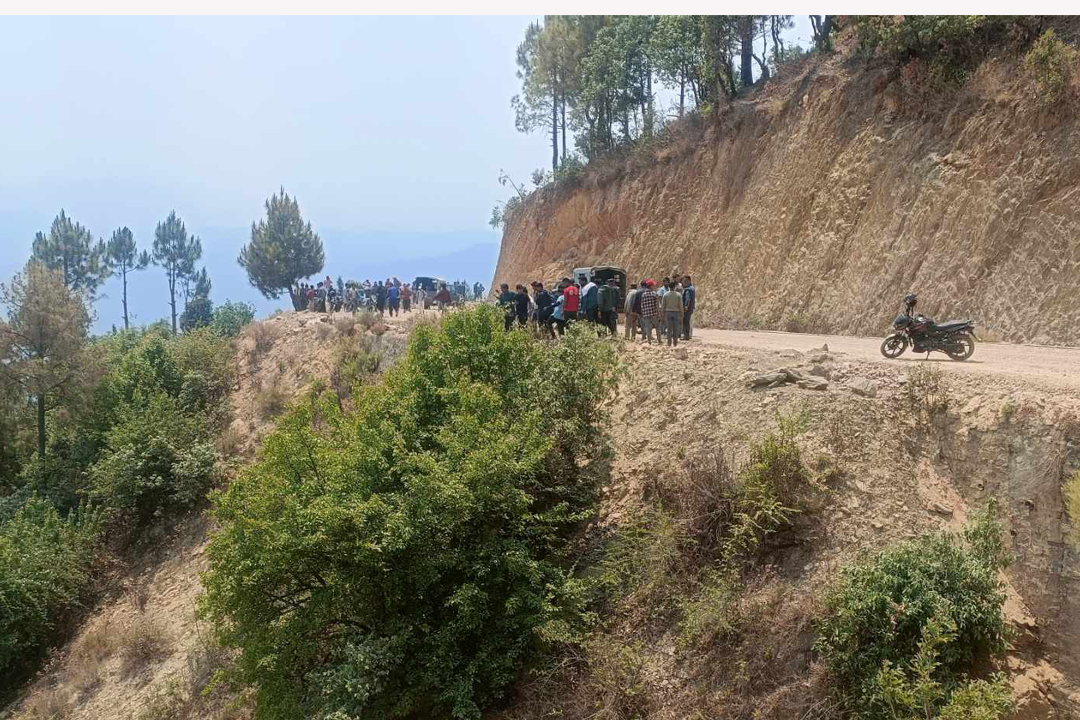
[(156, 456), (913, 618), (198, 313), (936, 52), (405, 556), (45, 571), (1050, 64), (231, 317)]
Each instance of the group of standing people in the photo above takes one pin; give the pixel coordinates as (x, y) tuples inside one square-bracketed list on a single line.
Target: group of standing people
[(668, 308), (391, 296)]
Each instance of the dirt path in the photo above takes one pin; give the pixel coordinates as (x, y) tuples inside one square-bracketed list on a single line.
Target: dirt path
[(1050, 366)]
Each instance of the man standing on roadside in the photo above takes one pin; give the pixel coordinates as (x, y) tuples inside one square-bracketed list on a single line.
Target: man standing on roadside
[(650, 312), (689, 301), (571, 302), (507, 301), (543, 303), (672, 306), (589, 299), (630, 332), (608, 303)]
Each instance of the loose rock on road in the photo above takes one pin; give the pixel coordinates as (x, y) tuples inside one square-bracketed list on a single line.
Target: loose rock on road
[(1052, 366)]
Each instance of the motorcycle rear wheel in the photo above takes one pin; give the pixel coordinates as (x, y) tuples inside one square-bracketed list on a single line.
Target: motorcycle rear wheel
[(967, 342), (894, 346)]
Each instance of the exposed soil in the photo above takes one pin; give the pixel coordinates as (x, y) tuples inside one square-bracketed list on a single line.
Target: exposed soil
[(818, 200), (1009, 428)]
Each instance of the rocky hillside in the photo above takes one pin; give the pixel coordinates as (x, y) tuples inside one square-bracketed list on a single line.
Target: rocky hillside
[(820, 199)]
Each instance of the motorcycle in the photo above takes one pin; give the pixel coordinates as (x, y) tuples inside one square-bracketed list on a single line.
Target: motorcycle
[(954, 338)]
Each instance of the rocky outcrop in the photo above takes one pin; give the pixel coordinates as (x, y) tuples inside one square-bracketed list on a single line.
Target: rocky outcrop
[(818, 202)]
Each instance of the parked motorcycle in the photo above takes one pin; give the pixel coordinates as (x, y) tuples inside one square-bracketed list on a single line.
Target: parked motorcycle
[(955, 338)]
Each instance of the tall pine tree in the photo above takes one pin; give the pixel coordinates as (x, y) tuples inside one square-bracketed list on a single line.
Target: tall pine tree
[(283, 249), (124, 257), (42, 340), (70, 248), (177, 253)]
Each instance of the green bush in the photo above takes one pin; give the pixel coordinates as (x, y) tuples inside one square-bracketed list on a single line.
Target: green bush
[(231, 317), (903, 625), (156, 456), (45, 570), (1050, 64), (198, 313), (405, 556)]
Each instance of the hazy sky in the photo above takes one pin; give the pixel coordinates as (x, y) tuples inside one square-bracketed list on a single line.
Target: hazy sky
[(374, 123), (378, 125)]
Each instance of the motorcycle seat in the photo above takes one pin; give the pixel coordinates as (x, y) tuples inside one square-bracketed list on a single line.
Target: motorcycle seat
[(952, 325)]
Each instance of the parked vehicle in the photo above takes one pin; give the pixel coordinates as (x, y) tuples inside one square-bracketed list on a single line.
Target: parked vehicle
[(432, 283), (955, 338), (600, 274)]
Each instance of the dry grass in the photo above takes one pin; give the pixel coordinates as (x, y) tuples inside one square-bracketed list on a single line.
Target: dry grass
[(346, 325), (193, 693), (85, 664), (1072, 505), (229, 442), (141, 643), (263, 334), (52, 703), (366, 319), (323, 330), (270, 399)]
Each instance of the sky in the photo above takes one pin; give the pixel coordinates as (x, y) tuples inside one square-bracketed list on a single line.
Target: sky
[(390, 131)]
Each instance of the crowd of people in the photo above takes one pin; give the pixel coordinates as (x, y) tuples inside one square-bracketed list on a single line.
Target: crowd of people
[(663, 309), (390, 296)]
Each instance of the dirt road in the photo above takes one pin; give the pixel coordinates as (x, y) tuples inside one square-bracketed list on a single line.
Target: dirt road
[(1051, 366)]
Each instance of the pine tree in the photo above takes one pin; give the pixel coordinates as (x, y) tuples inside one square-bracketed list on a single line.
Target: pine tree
[(283, 249), (42, 341), (70, 248), (123, 257), (177, 253)]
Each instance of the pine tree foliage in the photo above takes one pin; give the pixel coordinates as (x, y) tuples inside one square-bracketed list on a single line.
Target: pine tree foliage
[(283, 249), (70, 248), (42, 339), (176, 252), (123, 257)]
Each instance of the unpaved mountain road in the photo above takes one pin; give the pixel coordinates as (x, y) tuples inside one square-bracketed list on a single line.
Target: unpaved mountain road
[(1053, 367)]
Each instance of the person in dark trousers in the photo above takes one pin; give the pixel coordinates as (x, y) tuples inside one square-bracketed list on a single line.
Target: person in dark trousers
[(507, 301), (608, 304), (522, 303), (393, 296), (544, 303), (572, 301), (689, 301), (380, 297), (590, 299)]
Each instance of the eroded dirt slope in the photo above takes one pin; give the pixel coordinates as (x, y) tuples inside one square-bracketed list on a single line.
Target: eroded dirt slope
[(819, 200), (894, 477)]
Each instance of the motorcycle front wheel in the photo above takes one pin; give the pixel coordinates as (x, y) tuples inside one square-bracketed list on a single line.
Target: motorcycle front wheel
[(894, 346), (962, 349)]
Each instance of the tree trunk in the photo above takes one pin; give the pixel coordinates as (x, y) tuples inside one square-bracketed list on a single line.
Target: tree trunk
[(682, 93), (123, 275), (746, 37), (41, 425), (172, 298), (554, 131), (563, 113)]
